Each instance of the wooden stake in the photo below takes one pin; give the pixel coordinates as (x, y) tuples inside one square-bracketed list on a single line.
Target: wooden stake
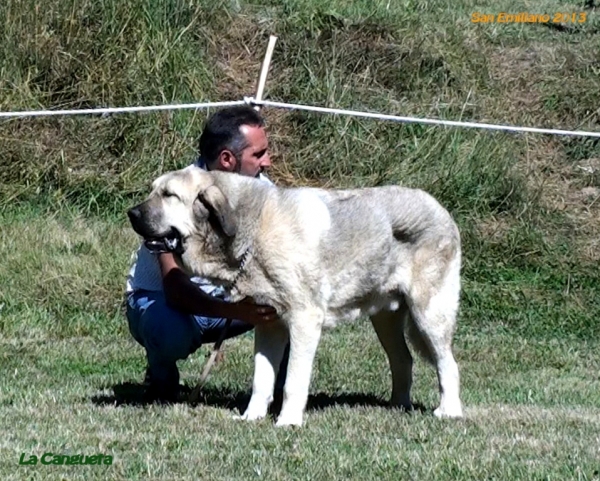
[(264, 70)]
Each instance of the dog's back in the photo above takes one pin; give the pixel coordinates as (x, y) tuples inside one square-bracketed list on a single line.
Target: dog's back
[(375, 239)]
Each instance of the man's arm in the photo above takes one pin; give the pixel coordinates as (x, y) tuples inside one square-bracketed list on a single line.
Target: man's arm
[(185, 296)]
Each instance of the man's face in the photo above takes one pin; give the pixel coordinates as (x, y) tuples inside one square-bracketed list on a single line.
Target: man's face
[(255, 157)]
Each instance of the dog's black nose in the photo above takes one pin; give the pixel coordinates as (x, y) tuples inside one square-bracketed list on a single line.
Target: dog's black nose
[(134, 214)]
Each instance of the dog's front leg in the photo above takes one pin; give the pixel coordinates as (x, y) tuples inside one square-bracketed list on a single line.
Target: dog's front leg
[(305, 333), (269, 345)]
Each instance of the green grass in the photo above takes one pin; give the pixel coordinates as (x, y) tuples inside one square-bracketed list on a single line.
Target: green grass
[(528, 336)]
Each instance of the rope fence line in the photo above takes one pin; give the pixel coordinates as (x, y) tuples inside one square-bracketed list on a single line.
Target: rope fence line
[(118, 110), (452, 123), (310, 108)]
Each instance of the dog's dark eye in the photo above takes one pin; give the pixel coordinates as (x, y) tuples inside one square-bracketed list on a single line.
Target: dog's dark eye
[(167, 193)]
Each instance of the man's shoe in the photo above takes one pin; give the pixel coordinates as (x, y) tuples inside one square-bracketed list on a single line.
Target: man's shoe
[(161, 392)]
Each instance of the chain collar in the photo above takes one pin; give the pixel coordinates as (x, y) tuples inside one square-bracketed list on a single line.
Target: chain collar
[(240, 271)]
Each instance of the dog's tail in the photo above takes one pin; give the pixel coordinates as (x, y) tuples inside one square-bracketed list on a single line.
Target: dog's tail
[(417, 340), (431, 315)]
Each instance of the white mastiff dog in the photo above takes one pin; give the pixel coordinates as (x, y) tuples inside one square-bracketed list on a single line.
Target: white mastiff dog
[(320, 257)]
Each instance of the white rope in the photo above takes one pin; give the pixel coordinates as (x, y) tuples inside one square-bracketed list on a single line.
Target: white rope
[(396, 118), (283, 105), (118, 110)]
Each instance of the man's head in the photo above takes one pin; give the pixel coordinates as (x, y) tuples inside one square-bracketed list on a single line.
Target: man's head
[(234, 140)]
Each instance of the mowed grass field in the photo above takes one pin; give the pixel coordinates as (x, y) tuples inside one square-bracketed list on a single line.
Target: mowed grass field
[(528, 336)]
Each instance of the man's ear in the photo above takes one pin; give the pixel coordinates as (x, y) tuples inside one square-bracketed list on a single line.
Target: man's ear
[(227, 160), (215, 201)]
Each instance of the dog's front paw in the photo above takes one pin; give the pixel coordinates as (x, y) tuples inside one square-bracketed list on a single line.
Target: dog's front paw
[(453, 412), (252, 415), (289, 420)]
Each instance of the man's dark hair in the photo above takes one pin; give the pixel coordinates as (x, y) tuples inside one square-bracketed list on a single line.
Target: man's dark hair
[(222, 131)]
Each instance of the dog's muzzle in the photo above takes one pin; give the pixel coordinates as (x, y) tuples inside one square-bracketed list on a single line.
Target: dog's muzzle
[(156, 244)]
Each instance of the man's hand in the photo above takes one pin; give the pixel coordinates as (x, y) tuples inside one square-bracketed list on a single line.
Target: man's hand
[(256, 314), (182, 294)]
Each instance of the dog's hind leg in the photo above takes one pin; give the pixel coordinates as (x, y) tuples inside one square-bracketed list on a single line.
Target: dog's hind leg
[(305, 333), (269, 346), (389, 326), (431, 327)]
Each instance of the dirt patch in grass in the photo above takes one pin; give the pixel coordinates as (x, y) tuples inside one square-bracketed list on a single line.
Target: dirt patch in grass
[(494, 228), (515, 71), (567, 187), (377, 59), (236, 50), (563, 198), (284, 143)]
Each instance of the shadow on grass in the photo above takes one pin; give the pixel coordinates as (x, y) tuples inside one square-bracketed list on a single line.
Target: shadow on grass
[(132, 394)]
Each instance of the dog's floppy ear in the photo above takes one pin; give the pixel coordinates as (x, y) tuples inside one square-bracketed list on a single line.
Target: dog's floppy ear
[(216, 203)]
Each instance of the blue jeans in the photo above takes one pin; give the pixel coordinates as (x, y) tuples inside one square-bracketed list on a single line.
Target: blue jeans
[(169, 335)]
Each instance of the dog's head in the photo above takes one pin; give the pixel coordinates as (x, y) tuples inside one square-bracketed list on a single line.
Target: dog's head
[(183, 203)]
